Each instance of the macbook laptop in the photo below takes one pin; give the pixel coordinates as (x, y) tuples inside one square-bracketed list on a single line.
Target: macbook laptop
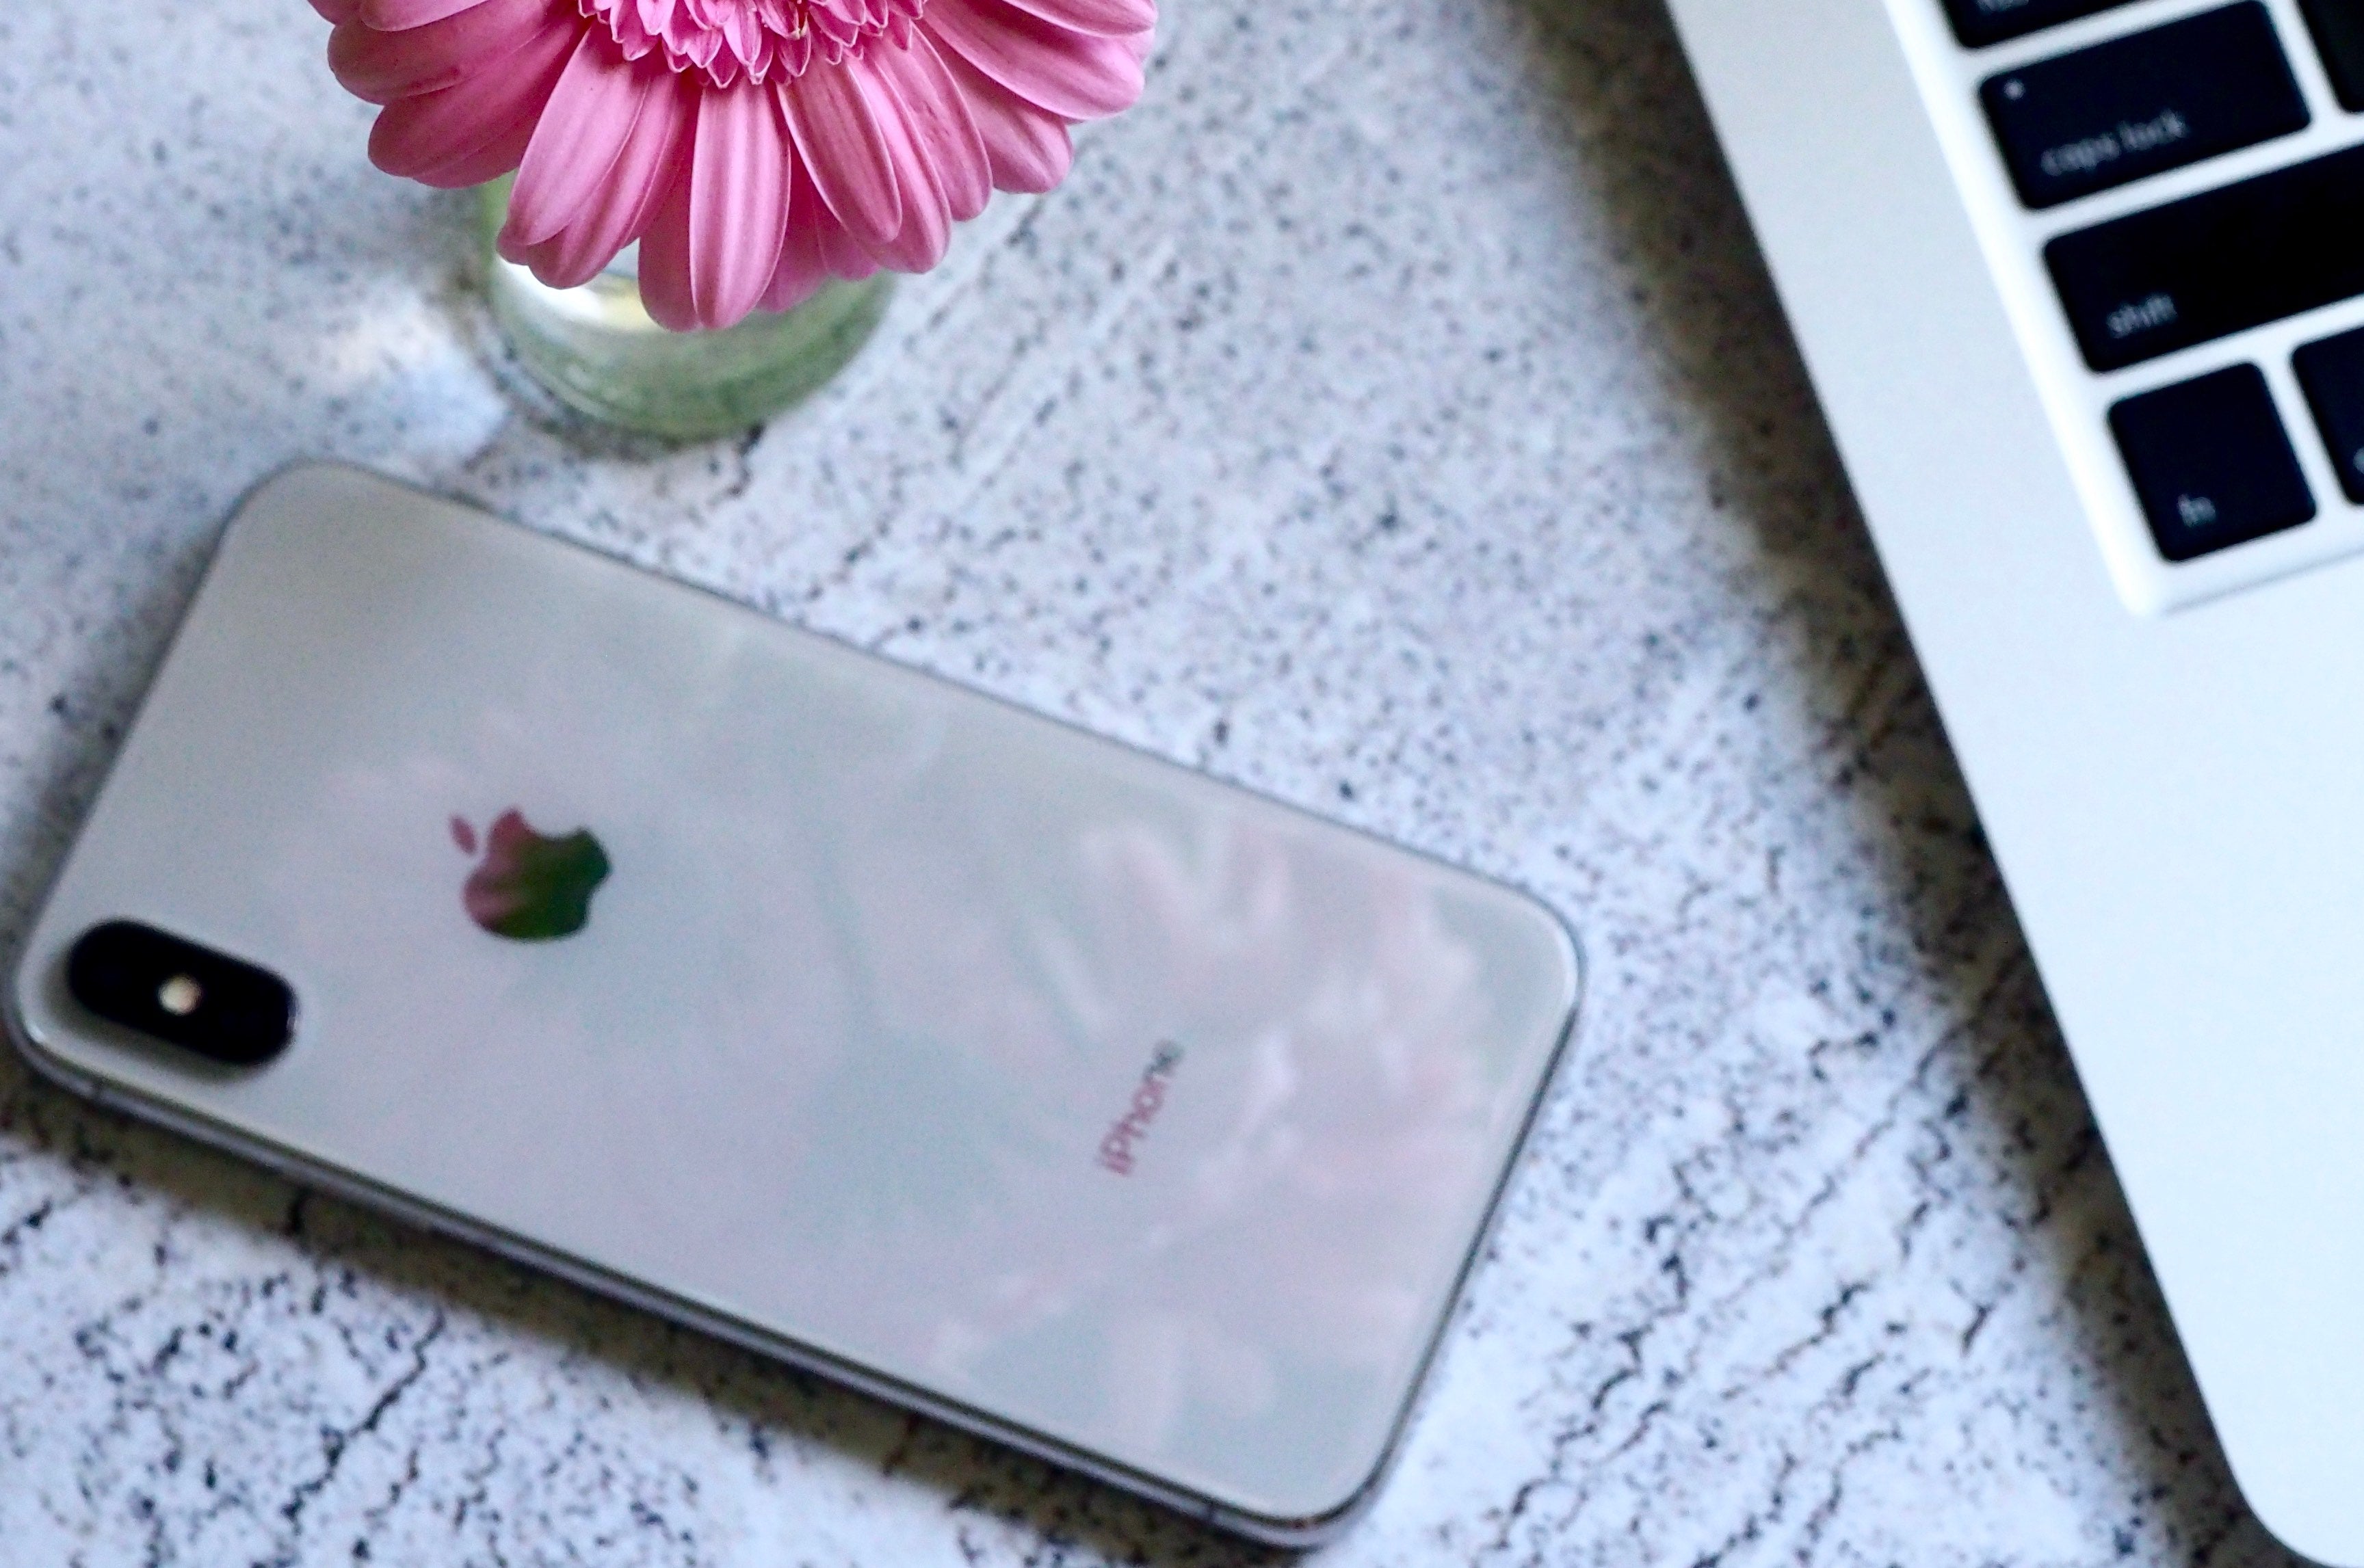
[(2080, 284)]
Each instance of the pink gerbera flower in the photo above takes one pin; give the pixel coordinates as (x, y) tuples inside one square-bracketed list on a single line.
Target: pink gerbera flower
[(754, 147)]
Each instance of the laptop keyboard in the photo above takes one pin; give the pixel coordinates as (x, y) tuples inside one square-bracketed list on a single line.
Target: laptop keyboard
[(1981, 22), (2214, 264), (2210, 457), (2339, 29), (2332, 374), (2140, 105)]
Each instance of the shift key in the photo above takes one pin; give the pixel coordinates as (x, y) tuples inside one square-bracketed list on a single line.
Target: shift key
[(2083, 122)]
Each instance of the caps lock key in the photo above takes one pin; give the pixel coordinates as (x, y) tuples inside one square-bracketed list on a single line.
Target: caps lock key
[(2141, 104)]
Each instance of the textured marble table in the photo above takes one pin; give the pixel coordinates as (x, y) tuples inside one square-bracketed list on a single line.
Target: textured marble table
[(1392, 415)]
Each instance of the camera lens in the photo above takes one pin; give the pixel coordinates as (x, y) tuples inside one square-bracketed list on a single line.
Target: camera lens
[(220, 1007)]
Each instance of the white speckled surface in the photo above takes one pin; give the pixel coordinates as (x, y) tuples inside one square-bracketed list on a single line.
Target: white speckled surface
[(1392, 415)]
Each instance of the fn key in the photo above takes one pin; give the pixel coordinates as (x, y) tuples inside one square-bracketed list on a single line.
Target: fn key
[(2212, 463)]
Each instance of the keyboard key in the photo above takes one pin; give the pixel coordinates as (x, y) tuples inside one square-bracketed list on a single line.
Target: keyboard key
[(2136, 106), (2338, 28), (2332, 373), (1981, 22), (2211, 463), (2221, 261)]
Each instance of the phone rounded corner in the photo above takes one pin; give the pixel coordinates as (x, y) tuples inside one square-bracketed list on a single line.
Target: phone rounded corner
[(305, 489), (1573, 963), (25, 1036), (1575, 960), (299, 473), (1306, 1529)]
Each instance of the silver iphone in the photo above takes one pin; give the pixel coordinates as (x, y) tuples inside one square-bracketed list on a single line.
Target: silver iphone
[(1000, 1070)]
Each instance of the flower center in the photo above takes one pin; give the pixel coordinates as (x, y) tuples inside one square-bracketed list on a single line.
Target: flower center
[(761, 39)]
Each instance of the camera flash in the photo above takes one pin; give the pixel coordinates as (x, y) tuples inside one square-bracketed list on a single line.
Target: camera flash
[(179, 995)]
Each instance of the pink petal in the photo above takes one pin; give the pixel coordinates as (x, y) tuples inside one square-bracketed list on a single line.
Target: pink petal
[(1075, 76), (834, 120), (664, 252), (490, 161), (1029, 148), (790, 288), (635, 186), (584, 128), (381, 67), (414, 134), (738, 202), (943, 133), (337, 10), (838, 248), (1106, 19), (393, 16), (927, 229), (802, 268)]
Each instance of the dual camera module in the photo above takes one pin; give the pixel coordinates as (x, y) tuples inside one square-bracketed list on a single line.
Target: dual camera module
[(220, 1007)]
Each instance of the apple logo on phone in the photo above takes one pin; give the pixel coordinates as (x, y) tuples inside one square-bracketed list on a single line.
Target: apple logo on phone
[(530, 887)]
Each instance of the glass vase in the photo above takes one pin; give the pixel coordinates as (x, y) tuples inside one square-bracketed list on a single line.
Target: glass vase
[(596, 349)]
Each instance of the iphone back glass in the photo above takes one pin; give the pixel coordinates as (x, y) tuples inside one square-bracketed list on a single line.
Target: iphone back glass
[(1006, 1071)]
